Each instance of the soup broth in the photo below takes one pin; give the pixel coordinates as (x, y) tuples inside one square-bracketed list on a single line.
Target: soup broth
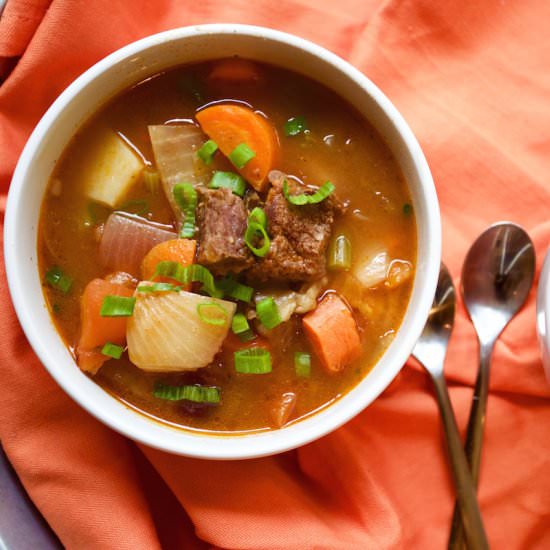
[(333, 143)]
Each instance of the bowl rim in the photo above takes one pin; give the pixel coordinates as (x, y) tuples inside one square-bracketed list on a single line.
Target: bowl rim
[(543, 313), (250, 445)]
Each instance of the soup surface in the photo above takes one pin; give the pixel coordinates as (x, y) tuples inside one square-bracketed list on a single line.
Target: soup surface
[(325, 284)]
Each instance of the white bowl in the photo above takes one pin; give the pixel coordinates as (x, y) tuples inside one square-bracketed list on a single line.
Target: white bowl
[(543, 314), (130, 65)]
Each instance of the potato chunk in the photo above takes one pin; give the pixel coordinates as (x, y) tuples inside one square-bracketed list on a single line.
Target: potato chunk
[(111, 169)]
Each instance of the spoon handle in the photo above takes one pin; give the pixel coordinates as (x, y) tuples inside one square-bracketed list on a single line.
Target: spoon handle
[(465, 488), (474, 438)]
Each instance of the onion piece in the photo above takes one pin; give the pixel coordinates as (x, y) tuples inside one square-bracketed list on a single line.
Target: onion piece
[(306, 298), (291, 301), (167, 334), (399, 272), (127, 238), (372, 270), (175, 148)]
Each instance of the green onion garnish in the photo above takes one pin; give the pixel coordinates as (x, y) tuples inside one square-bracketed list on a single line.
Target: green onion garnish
[(59, 280), (258, 216), (239, 324), (212, 313), (151, 179), (268, 313), (206, 152), (230, 180), (407, 209), (112, 350), (299, 200), (302, 363), (235, 290), (194, 273), (339, 254), (195, 393), (117, 306), (254, 233), (295, 125), (136, 206), (241, 155), (158, 287), (186, 198), (253, 361)]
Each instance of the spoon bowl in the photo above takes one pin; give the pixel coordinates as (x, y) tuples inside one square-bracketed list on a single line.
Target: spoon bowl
[(431, 348), (497, 277)]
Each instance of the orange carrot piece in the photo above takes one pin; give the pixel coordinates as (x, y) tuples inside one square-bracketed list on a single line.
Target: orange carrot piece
[(235, 71), (90, 360), (282, 408), (95, 330), (175, 250), (231, 125), (332, 332)]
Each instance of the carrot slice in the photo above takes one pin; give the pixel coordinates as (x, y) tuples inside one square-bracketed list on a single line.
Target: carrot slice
[(96, 330), (332, 331), (235, 71), (281, 409), (90, 360), (232, 125), (175, 250)]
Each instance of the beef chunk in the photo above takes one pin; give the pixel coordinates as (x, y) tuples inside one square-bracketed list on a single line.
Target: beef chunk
[(221, 218), (299, 235)]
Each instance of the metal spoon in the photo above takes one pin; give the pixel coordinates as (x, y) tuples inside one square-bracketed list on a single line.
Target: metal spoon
[(430, 352), (496, 278)]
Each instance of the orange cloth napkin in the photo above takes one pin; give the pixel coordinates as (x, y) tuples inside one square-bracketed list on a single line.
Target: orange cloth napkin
[(472, 79)]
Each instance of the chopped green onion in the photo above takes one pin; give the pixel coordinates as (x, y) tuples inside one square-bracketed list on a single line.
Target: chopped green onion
[(151, 179), (239, 324), (212, 313), (241, 155), (299, 200), (186, 198), (193, 273), (57, 279), (56, 309), (302, 363), (206, 152), (258, 216), (230, 180), (195, 393), (235, 290), (295, 125), (253, 233), (158, 287), (407, 209), (339, 255), (268, 313), (112, 350), (137, 206), (246, 336), (117, 306), (253, 361)]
